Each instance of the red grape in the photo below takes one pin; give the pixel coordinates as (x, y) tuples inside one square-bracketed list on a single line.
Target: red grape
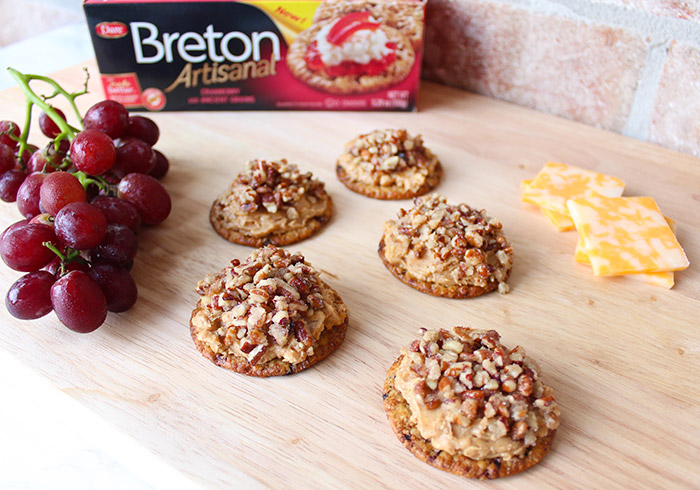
[(143, 128), (79, 302), (10, 182), (161, 167), (28, 194), (80, 225), (107, 116), (92, 191), (39, 163), (22, 246), (119, 245), (17, 224), (148, 195), (93, 152), (133, 156), (6, 128), (7, 158), (63, 146), (59, 189), (48, 126), (117, 285), (49, 158), (29, 297), (119, 211)]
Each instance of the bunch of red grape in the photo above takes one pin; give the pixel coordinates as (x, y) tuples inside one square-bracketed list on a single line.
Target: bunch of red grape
[(83, 198)]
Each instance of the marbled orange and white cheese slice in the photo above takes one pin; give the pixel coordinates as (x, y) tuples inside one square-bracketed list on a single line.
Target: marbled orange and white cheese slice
[(662, 279), (625, 235), (557, 182), (560, 221)]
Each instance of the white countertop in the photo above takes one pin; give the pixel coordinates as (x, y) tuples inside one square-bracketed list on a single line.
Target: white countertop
[(48, 439)]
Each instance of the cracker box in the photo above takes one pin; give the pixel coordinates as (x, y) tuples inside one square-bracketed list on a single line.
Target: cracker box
[(259, 54)]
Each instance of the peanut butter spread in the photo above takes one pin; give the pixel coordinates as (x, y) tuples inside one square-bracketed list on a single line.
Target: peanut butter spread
[(469, 394), (269, 197), (448, 245), (389, 158), (273, 305)]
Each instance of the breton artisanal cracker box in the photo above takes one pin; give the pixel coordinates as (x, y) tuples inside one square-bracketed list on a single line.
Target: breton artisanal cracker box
[(259, 54)]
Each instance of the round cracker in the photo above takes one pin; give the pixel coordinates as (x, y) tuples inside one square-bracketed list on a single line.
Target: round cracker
[(327, 343), (396, 72), (454, 292), (389, 192), (399, 414), (220, 223)]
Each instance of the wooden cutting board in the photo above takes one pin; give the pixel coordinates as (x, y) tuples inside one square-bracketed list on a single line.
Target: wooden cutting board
[(622, 356)]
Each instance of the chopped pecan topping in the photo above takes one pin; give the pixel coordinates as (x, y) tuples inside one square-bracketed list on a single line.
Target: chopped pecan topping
[(272, 299), (467, 240), (387, 155), (495, 388), (272, 185)]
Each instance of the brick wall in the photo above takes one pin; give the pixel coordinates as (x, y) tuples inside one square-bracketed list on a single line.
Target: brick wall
[(630, 66)]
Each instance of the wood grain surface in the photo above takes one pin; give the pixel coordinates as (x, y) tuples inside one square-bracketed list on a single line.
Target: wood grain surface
[(622, 356)]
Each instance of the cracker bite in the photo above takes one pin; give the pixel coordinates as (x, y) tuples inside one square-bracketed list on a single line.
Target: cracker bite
[(388, 164), (269, 315), (465, 403), (453, 251), (271, 202)]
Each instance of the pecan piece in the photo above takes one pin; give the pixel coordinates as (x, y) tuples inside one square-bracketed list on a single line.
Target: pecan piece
[(519, 430), (247, 347), (257, 354), (473, 394), (315, 301), (421, 388), (432, 401), (300, 332), (470, 408), (445, 383), (509, 385), (300, 284), (525, 385)]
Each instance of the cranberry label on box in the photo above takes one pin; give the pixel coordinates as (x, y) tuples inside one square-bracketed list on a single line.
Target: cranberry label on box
[(124, 88), (264, 54)]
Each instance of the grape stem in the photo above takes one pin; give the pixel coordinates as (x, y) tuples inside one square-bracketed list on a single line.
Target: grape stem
[(71, 255), (85, 180), (67, 131)]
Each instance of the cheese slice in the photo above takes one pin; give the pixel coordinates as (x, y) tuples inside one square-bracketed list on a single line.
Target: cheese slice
[(581, 256), (560, 221), (623, 235), (661, 279), (557, 182)]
